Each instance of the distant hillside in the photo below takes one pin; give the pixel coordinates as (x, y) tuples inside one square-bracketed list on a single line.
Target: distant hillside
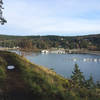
[(32, 82), (90, 42)]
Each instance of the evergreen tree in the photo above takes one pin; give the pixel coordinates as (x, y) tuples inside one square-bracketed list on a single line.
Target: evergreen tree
[(98, 84), (2, 20), (89, 83), (77, 76)]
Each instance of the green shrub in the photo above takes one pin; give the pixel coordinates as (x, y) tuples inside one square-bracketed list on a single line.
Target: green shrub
[(2, 76)]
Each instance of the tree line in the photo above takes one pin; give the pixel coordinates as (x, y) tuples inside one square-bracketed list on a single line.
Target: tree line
[(47, 42)]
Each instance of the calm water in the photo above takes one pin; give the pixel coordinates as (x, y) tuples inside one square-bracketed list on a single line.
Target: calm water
[(64, 63)]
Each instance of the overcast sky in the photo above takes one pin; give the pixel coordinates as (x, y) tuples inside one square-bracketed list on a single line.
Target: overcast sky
[(51, 17)]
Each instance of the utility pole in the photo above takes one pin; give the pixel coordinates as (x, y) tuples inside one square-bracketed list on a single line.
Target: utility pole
[(2, 20)]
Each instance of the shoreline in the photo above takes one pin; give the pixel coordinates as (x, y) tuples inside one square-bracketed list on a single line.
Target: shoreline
[(57, 51), (71, 51), (87, 52)]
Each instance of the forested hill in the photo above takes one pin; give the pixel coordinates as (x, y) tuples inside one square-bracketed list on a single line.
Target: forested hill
[(91, 42)]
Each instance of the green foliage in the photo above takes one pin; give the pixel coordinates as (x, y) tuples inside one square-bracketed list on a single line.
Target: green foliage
[(2, 20), (89, 83), (79, 79), (46, 84), (2, 74), (77, 76), (46, 42), (2, 70), (98, 84)]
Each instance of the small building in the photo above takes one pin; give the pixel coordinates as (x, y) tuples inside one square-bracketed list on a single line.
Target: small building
[(44, 51), (58, 51)]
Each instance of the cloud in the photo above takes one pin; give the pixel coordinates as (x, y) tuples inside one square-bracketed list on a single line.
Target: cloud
[(51, 17)]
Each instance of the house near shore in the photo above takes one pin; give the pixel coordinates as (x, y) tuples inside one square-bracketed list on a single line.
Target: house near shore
[(16, 47), (44, 51), (58, 51)]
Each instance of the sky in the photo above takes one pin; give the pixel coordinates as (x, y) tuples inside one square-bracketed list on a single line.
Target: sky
[(51, 17)]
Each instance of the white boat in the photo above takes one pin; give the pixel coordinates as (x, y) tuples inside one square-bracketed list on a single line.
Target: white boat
[(74, 59), (84, 60), (95, 60)]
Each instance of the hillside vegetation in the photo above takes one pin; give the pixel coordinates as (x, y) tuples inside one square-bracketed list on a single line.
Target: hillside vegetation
[(32, 82), (90, 42)]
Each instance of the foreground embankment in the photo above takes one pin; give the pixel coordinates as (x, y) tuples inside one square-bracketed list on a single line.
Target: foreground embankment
[(28, 81)]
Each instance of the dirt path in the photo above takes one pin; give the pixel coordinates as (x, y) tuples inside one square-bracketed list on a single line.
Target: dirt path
[(15, 87), (14, 82)]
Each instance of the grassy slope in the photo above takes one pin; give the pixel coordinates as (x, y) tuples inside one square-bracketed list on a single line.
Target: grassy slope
[(28, 81)]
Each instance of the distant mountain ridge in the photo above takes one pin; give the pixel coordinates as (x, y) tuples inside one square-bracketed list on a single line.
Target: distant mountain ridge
[(49, 35)]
